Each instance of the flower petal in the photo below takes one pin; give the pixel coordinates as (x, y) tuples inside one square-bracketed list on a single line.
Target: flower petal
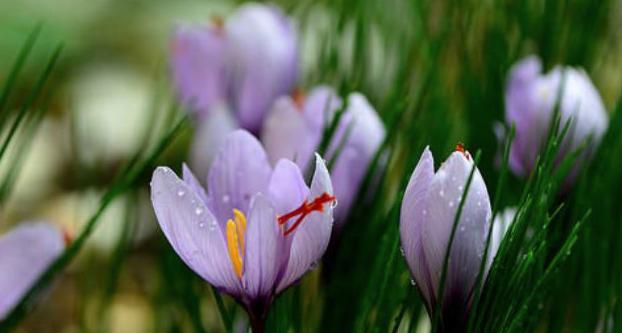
[(312, 236), (262, 48), (284, 132), (263, 238), (443, 198), (25, 253), (287, 187), (412, 219), (192, 230), (198, 66), (365, 133), (193, 183), (240, 170)]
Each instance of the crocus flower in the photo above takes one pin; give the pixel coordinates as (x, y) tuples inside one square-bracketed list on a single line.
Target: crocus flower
[(255, 230), (294, 130), (500, 227), (245, 63), (25, 253), (428, 211), (530, 101)]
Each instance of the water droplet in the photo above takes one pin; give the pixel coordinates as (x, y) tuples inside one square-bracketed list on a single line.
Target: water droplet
[(460, 188), (453, 178), (451, 204), (225, 198), (441, 193), (479, 204), (462, 229), (334, 203), (212, 225), (181, 193), (412, 282), (201, 225), (198, 210), (402, 251), (425, 212)]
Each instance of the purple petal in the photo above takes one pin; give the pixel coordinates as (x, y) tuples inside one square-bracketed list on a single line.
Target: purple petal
[(193, 183), (284, 132), (210, 135), (443, 197), (262, 48), (311, 238), (287, 187), (365, 133), (192, 230), (25, 253), (240, 170), (262, 258), (198, 66), (412, 220), (500, 226)]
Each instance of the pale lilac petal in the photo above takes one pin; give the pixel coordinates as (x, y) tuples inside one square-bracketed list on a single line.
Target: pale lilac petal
[(500, 226), (192, 230), (198, 67), (210, 135), (193, 183), (287, 187), (262, 48), (412, 218), (443, 198), (320, 105), (240, 170), (363, 132), (285, 132), (312, 236), (25, 253), (261, 259)]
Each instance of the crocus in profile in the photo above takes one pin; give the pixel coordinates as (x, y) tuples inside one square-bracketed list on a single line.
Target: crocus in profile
[(295, 126), (428, 211), (255, 230), (530, 101), (25, 253), (243, 63)]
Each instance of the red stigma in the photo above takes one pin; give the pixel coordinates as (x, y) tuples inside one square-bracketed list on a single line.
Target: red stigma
[(299, 98), (460, 148), (218, 23), (305, 209), (67, 236)]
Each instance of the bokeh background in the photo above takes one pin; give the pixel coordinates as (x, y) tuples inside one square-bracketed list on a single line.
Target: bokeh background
[(110, 94)]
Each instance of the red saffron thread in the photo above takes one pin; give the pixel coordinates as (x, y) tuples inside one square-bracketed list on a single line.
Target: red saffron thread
[(305, 209)]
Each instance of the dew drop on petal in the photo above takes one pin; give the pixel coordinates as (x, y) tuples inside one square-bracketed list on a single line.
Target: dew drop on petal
[(451, 204), (225, 198), (201, 225), (441, 193), (181, 193), (198, 210), (425, 212)]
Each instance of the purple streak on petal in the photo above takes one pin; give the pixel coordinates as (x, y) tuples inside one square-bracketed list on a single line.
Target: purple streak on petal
[(311, 238), (240, 170), (192, 230), (364, 137), (412, 218), (209, 136), (444, 195), (25, 253), (262, 256), (262, 48), (198, 66)]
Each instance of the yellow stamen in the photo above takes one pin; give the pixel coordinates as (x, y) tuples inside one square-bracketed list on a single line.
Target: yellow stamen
[(240, 222), (233, 247)]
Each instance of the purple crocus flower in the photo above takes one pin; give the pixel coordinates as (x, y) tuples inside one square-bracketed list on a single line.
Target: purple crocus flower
[(530, 101), (294, 129), (256, 230), (244, 63), (25, 253), (428, 210)]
